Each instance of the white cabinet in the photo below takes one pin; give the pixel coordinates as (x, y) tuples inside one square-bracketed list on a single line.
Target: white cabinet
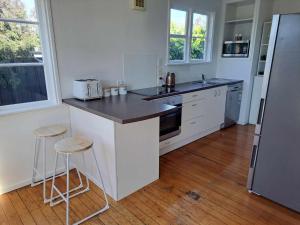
[(202, 113), (128, 154), (216, 106)]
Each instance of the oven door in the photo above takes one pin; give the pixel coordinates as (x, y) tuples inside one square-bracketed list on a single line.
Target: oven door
[(170, 124)]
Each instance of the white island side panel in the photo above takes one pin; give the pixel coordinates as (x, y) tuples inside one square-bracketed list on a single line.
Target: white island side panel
[(137, 146), (101, 131)]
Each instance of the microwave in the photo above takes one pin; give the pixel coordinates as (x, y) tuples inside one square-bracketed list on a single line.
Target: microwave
[(236, 49), (86, 89)]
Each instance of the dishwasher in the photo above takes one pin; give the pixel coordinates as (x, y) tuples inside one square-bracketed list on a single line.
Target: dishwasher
[(233, 104)]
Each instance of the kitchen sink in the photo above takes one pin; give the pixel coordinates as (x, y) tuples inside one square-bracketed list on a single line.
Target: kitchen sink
[(203, 82)]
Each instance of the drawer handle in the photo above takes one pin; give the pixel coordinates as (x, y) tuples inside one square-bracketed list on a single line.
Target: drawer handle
[(194, 105), (193, 123), (194, 96)]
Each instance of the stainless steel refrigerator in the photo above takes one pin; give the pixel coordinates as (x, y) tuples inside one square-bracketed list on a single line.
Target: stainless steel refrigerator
[(275, 165)]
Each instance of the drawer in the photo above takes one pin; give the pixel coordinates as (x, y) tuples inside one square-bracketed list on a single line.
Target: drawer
[(193, 127), (194, 109), (194, 96), (170, 141)]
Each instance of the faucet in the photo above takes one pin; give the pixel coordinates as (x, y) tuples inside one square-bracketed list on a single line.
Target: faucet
[(203, 79)]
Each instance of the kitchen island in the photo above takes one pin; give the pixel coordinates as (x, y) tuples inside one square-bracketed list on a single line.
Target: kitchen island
[(126, 131)]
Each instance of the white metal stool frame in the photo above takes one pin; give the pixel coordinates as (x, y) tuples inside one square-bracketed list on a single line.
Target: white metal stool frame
[(35, 171), (66, 196)]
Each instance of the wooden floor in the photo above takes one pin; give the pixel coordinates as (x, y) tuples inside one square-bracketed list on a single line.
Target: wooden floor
[(201, 183)]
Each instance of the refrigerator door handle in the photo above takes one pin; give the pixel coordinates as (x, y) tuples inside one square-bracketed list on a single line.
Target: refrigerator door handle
[(260, 116), (253, 162), (260, 112)]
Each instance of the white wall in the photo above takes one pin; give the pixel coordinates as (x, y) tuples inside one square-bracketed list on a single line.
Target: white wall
[(93, 36), (245, 68), (17, 144), (193, 72), (238, 68), (286, 6)]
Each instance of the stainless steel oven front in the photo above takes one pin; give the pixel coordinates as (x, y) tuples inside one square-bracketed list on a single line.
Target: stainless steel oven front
[(170, 123)]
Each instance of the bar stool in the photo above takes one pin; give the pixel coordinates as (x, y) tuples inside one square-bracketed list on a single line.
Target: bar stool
[(41, 135), (66, 148)]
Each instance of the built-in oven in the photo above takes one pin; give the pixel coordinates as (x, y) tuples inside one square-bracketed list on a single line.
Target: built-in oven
[(170, 123)]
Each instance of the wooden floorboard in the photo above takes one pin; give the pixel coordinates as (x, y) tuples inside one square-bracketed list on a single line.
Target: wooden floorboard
[(201, 183)]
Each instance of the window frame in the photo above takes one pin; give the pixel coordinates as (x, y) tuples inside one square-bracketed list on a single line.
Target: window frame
[(189, 36), (185, 37), (44, 23)]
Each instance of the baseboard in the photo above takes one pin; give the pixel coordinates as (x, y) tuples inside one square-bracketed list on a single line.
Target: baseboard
[(24, 183), (187, 141)]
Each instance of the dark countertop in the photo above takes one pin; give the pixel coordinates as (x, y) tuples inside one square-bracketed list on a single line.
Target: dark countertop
[(183, 88), (123, 108), (133, 107)]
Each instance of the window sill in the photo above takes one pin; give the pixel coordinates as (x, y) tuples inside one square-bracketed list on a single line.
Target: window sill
[(27, 107), (187, 63)]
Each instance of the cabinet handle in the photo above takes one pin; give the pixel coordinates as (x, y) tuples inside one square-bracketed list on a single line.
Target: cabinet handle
[(194, 105), (215, 93), (194, 96), (192, 123)]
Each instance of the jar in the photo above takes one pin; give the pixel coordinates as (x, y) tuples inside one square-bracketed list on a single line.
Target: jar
[(114, 91), (106, 92), (123, 90)]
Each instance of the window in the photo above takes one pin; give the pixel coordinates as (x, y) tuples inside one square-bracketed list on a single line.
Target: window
[(190, 35), (26, 62), (178, 35)]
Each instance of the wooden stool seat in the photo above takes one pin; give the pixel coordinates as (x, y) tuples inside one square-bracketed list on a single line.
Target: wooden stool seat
[(73, 145), (50, 131)]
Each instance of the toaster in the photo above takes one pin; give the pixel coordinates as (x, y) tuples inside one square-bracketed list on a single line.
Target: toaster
[(86, 89)]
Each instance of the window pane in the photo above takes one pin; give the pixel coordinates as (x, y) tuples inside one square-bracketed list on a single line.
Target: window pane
[(178, 22), (176, 49), (18, 9), (199, 25), (19, 43), (197, 48), (22, 84)]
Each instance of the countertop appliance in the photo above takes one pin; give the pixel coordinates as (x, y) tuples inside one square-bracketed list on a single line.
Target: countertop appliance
[(86, 89), (170, 80), (236, 48), (170, 124), (275, 163), (233, 104)]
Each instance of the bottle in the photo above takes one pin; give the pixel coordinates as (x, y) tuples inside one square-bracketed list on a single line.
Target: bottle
[(240, 37), (236, 37)]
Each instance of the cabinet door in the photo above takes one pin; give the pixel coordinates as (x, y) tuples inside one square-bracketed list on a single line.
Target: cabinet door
[(216, 106)]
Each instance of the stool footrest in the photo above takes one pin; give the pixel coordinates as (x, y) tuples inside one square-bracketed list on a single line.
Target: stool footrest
[(62, 195), (36, 183)]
